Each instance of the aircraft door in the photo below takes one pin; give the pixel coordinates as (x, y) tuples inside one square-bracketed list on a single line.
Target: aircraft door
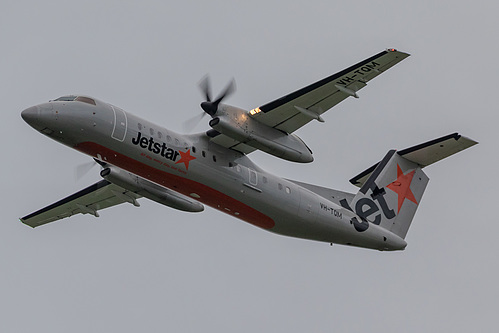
[(120, 124)]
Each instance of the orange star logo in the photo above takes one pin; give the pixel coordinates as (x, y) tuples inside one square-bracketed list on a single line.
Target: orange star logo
[(401, 186), (185, 158)]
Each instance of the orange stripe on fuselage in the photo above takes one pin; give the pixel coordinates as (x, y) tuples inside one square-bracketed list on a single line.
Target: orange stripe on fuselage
[(208, 196)]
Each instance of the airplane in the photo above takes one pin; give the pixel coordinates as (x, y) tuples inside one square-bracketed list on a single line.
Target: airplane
[(142, 159)]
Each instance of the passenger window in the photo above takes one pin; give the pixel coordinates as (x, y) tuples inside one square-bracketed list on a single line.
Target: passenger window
[(203, 153), (151, 131), (214, 158), (264, 180), (193, 149), (279, 186), (160, 135), (177, 143), (168, 138), (139, 125)]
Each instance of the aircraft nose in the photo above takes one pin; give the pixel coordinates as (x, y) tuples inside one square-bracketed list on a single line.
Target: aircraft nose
[(39, 116), (30, 115)]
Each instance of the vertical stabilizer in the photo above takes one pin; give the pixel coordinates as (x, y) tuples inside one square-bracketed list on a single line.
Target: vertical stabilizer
[(391, 190), (392, 193)]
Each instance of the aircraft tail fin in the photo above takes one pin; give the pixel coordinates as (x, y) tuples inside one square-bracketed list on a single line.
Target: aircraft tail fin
[(392, 189)]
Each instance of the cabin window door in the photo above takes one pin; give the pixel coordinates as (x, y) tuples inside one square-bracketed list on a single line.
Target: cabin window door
[(119, 125)]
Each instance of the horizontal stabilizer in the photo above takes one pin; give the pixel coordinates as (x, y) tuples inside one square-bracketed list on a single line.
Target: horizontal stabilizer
[(425, 154)]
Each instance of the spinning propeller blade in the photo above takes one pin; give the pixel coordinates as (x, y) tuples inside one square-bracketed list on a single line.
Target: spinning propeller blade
[(82, 169)]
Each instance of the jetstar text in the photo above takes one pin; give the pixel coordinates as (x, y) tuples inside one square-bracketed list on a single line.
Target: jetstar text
[(159, 148)]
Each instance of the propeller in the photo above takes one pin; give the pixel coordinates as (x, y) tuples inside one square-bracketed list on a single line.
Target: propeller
[(191, 123), (209, 106), (82, 169)]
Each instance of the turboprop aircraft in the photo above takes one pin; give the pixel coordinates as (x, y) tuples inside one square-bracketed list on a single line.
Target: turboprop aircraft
[(142, 159)]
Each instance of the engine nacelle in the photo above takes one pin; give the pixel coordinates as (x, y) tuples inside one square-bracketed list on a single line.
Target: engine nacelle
[(236, 124), (150, 190)]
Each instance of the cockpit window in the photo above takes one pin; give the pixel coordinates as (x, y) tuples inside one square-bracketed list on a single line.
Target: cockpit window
[(66, 98), (71, 98), (84, 99)]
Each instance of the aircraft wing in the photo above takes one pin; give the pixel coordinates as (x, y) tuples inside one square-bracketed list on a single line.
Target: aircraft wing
[(100, 195), (296, 109)]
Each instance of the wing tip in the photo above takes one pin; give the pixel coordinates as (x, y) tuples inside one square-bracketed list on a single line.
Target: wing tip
[(23, 221), (405, 54)]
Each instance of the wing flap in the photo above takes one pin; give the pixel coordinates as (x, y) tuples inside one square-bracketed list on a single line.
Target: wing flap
[(100, 195)]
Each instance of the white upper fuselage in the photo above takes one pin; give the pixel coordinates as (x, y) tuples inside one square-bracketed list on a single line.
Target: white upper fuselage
[(204, 171)]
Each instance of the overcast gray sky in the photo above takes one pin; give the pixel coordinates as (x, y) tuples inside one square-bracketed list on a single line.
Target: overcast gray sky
[(152, 269)]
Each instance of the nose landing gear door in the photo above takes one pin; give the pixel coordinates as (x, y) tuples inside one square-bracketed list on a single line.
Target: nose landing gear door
[(120, 124)]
